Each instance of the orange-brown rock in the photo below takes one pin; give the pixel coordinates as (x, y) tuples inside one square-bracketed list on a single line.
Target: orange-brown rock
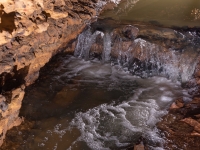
[(174, 106), (10, 112), (130, 32), (195, 124), (181, 125), (31, 32), (177, 104), (139, 147)]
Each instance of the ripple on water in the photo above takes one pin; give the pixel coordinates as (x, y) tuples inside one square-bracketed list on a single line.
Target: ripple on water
[(90, 105)]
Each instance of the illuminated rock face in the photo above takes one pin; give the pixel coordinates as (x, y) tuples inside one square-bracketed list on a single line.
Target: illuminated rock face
[(26, 17), (31, 32)]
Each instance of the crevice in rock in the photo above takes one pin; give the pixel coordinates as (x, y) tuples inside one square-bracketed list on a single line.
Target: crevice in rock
[(47, 15), (7, 21), (12, 80)]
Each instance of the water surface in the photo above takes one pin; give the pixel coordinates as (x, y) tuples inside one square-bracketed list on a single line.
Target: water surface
[(87, 105), (83, 104), (178, 13)]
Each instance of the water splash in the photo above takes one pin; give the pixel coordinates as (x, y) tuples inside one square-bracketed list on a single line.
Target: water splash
[(141, 57), (156, 60), (112, 126), (110, 107)]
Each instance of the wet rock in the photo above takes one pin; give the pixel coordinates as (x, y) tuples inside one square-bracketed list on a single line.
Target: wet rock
[(177, 104), (195, 134), (130, 32), (174, 106), (192, 123), (168, 38), (17, 130), (97, 47), (197, 116), (181, 125), (139, 147)]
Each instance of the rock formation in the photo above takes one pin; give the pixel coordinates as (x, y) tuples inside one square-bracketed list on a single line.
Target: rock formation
[(31, 32)]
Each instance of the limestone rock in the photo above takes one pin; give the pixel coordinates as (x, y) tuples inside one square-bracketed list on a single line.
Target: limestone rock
[(3, 104), (57, 15), (31, 32), (9, 114), (42, 27)]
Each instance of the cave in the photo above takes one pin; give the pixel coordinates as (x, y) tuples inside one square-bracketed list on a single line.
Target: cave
[(100, 74)]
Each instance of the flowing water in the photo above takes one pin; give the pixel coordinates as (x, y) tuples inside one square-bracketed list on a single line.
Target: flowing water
[(82, 103), (93, 105), (154, 59)]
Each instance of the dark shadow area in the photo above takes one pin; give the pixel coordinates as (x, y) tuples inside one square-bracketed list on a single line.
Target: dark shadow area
[(9, 81), (7, 21)]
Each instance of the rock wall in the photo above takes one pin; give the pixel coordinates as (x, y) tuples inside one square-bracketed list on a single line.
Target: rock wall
[(31, 32)]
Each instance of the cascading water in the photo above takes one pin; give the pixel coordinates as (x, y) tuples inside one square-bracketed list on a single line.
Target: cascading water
[(83, 103), (113, 126), (159, 61), (93, 105), (85, 41), (141, 57), (106, 47)]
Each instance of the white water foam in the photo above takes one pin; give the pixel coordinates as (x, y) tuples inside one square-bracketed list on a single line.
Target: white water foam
[(114, 126), (111, 127), (153, 59), (115, 123)]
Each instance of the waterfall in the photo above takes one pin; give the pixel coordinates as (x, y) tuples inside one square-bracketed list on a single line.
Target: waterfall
[(85, 41), (106, 47), (140, 57), (146, 59)]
